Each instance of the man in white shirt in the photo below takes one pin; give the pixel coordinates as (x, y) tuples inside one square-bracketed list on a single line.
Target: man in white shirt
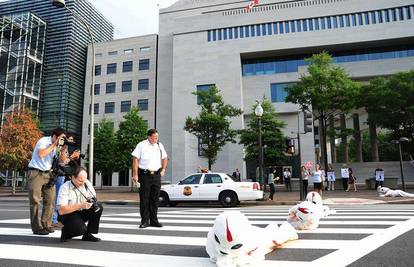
[(148, 166), (40, 182), (77, 205)]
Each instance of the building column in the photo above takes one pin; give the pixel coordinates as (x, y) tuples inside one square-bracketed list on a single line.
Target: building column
[(332, 138), (357, 138), (373, 140), (344, 138)]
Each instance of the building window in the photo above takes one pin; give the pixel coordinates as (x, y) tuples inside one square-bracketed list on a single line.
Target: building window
[(144, 64), (143, 84), (96, 125), (98, 69), (145, 49), (110, 88), (143, 104), (127, 66), (112, 53), (96, 108), (203, 87), (278, 92), (126, 86), (128, 51), (316, 24), (125, 106), (111, 68), (98, 54), (110, 107), (97, 89)]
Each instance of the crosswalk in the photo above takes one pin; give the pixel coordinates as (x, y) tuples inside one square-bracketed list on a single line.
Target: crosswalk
[(348, 235)]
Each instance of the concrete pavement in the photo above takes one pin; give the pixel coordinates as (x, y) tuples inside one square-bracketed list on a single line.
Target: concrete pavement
[(124, 195)]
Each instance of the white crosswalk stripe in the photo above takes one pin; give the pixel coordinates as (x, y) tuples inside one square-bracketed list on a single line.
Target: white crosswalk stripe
[(181, 242)]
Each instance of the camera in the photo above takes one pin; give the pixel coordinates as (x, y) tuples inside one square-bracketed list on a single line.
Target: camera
[(95, 207)]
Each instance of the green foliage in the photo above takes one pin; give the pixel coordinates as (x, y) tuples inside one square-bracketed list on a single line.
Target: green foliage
[(390, 103), (325, 88), (105, 148), (212, 125), (132, 130), (272, 136), (386, 150)]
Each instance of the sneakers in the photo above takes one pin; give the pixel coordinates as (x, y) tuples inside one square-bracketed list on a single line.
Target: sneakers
[(50, 230), (90, 237), (41, 232)]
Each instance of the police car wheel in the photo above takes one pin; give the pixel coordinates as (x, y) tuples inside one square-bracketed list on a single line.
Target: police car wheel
[(163, 199), (228, 199)]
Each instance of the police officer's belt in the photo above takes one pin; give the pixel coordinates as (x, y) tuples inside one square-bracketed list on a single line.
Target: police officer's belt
[(146, 171)]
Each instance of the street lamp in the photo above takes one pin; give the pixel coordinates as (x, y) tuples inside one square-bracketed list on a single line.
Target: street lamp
[(62, 4), (398, 142), (259, 113)]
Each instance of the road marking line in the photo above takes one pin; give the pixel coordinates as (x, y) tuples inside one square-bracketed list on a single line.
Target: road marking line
[(348, 255)]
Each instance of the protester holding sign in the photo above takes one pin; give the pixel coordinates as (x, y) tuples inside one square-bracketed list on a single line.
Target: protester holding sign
[(379, 177), (331, 178), (345, 176)]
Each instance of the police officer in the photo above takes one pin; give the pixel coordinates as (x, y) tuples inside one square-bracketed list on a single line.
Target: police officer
[(40, 182), (148, 166), (76, 206)]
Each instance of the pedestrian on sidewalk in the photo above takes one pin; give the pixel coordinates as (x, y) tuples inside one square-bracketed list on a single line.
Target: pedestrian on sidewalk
[(379, 177), (306, 174), (287, 175), (271, 183), (331, 178), (317, 179), (351, 180), (148, 166), (236, 175), (41, 182), (344, 176)]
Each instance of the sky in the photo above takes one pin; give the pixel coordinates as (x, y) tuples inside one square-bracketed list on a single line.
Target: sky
[(132, 17)]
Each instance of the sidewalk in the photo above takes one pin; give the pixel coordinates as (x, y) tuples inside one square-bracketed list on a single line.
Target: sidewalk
[(337, 197)]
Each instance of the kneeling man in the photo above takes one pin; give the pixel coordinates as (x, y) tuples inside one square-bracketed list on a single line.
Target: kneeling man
[(77, 205)]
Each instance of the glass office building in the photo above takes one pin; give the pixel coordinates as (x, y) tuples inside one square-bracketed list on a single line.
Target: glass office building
[(64, 62), (22, 47)]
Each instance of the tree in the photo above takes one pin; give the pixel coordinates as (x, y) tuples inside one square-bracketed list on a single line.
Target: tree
[(272, 136), (18, 138), (390, 103), (212, 125), (325, 90), (132, 130), (105, 149)]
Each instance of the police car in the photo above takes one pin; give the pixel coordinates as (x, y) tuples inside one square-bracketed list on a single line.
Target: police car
[(209, 187)]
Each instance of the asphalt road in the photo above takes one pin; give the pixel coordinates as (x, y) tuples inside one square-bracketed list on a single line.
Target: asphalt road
[(369, 235)]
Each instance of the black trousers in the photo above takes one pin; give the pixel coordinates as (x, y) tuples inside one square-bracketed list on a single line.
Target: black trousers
[(305, 187), (74, 223), (345, 183), (149, 193), (272, 190), (377, 183)]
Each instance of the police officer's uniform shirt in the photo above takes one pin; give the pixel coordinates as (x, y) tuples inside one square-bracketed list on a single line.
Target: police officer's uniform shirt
[(149, 155), (69, 195), (45, 163)]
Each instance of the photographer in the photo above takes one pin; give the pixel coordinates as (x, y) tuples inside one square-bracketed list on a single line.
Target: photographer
[(77, 204), (40, 182), (67, 161)]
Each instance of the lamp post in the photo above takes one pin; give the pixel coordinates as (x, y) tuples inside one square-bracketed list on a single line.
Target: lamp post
[(62, 4), (259, 113), (398, 142)]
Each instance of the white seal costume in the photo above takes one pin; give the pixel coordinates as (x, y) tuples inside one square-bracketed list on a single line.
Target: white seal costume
[(387, 192), (233, 241), (316, 199)]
